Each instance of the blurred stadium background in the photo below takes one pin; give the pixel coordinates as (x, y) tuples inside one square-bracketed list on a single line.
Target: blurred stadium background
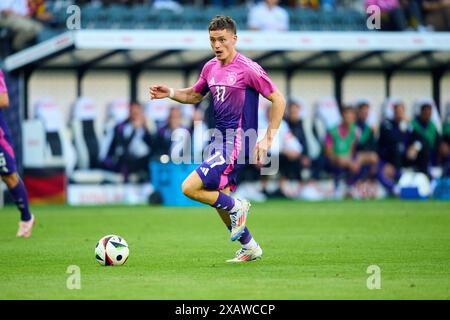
[(69, 89)]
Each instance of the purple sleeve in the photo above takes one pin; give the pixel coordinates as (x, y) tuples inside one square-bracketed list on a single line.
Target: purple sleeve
[(201, 86), (2, 83), (260, 81)]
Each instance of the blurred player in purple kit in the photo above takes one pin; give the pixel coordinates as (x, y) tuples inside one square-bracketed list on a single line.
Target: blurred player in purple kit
[(8, 168), (235, 83)]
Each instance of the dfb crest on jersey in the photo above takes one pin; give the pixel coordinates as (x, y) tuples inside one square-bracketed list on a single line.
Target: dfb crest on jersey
[(231, 79)]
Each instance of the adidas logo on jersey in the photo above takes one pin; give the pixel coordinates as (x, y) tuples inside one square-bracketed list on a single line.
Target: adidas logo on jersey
[(205, 170), (212, 81)]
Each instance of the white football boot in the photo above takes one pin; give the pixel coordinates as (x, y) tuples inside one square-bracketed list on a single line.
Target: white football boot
[(238, 220), (244, 255), (25, 227)]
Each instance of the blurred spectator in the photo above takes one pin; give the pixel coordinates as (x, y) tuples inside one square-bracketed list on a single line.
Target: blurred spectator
[(38, 11), (268, 16), (395, 136), (158, 110), (366, 148), (290, 155), (340, 143), (131, 146), (398, 15), (341, 140), (290, 151), (168, 5), (366, 141), (413, 13), (314, 4), (295, 124), (15, 17), (287, 148), (426, 139), (326, 116), (187, 114), (437, 14), (444, 151), (170, 140), (392, 17), (199, 133)]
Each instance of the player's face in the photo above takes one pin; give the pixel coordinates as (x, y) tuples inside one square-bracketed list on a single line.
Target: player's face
[(223, 44)]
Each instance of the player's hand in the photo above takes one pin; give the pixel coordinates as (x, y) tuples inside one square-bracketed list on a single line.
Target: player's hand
[(261, 149), (159, 92)]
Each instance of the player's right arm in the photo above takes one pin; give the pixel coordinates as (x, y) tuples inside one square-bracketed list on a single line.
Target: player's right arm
[(186, 95), (192, 95)]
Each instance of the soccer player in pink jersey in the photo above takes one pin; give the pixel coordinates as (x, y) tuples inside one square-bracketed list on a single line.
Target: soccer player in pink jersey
[(8, 168), (235, 83)]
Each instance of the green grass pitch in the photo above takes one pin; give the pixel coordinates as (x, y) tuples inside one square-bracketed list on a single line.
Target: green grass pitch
[(311, 251)]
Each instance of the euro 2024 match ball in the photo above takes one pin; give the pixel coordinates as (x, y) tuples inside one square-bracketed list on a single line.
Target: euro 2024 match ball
[(111, 250)]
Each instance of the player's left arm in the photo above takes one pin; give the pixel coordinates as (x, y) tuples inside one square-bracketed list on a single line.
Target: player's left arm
[(4, 100), (275, 117)]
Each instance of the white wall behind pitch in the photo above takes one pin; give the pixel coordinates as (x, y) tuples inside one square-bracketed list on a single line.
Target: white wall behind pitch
[(410, 87), (58, 85), (104, 87), (147, 78), (310, 86), (445, 94), (370, 86)]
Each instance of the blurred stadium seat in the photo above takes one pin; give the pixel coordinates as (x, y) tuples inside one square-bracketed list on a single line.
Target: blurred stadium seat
[(239, 14), (117, 111), (193, 18), (86, 132), (59, 151), (141, 16)]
